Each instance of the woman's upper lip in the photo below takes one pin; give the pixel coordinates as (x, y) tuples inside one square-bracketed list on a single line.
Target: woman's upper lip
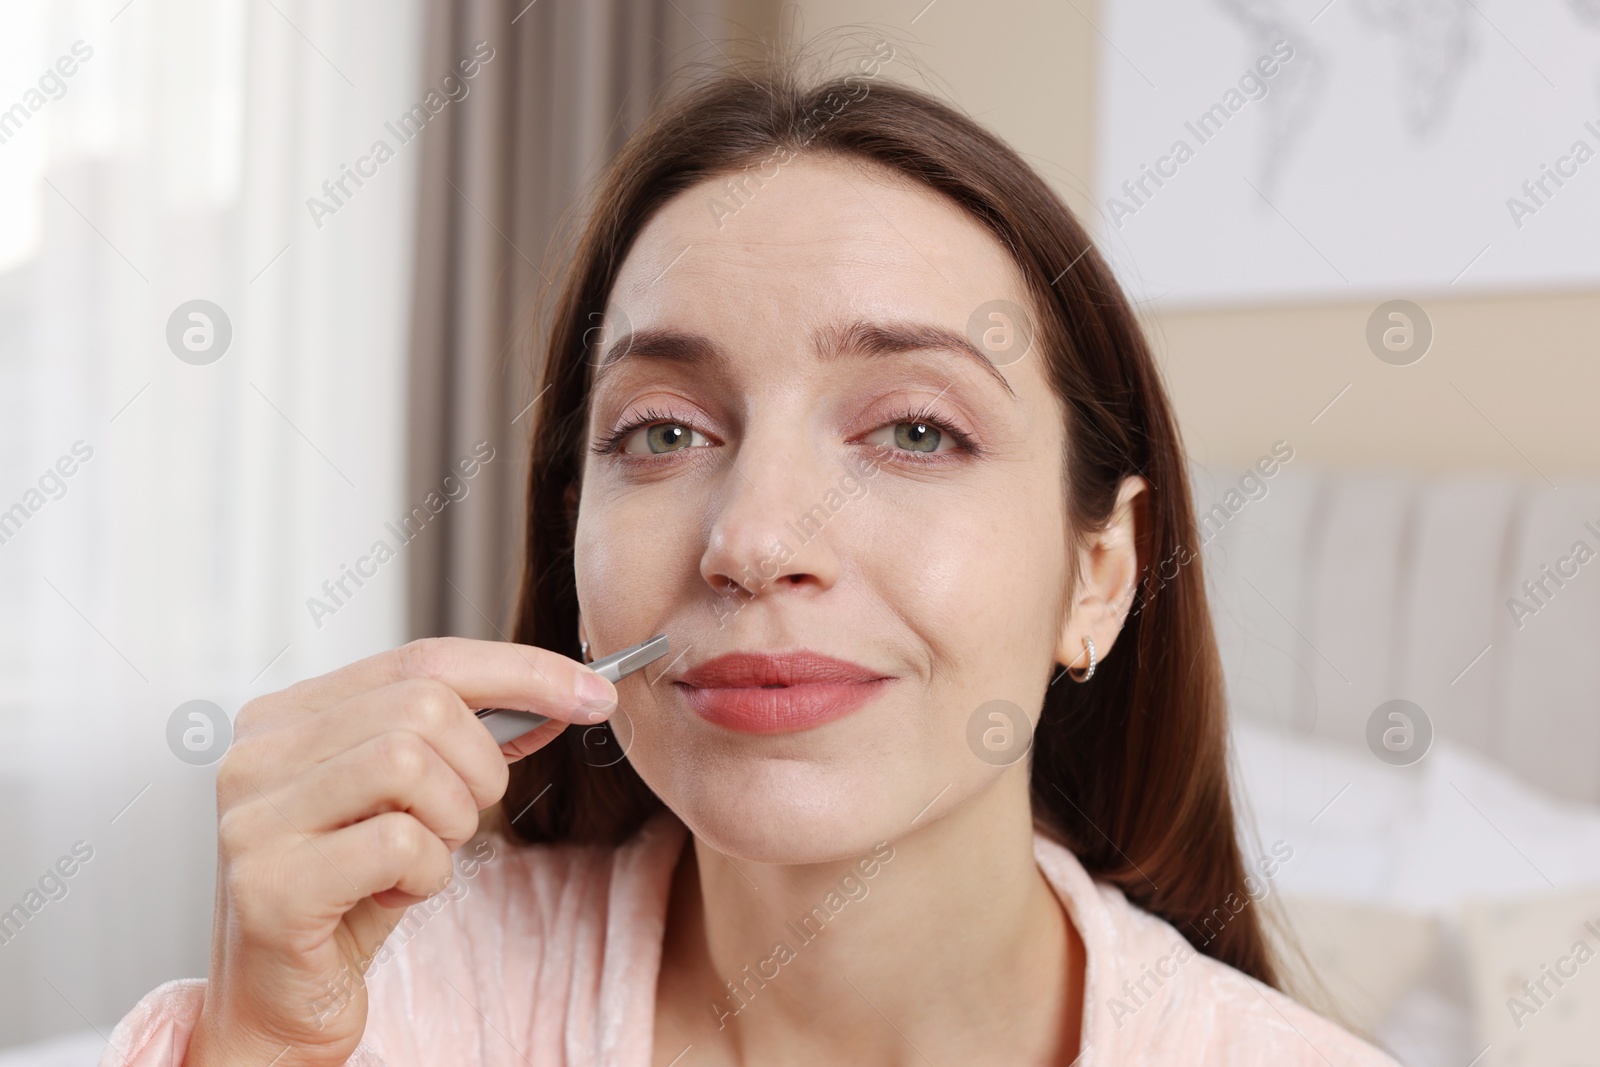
[(748, 670)]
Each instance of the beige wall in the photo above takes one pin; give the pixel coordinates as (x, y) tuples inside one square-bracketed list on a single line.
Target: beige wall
[(1511, 383)]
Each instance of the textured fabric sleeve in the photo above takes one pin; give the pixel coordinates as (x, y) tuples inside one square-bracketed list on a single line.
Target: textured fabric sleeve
[(156, 1032), (541, 954), (493, 971)]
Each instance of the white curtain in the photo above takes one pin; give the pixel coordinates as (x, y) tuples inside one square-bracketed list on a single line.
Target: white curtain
[(153, 153)]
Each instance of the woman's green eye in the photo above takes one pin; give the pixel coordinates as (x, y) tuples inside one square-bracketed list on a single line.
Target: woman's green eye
[(917, 436), (912, 435), (662, 437), (666, 436)]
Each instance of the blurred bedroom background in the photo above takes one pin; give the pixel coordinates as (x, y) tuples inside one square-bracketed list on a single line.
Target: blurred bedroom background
[(266, 275)]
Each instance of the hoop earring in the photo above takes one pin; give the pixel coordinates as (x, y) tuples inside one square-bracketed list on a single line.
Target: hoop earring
[(1089, 644)]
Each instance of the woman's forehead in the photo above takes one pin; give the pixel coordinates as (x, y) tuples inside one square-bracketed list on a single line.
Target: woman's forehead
[(820, 233)]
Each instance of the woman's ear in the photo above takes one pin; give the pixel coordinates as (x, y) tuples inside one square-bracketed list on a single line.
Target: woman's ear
[(1108, 567)]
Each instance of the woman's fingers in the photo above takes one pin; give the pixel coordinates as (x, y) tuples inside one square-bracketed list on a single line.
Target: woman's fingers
[(485, 674), (431, 710), (394, 771), (533, 741), (392, 851)]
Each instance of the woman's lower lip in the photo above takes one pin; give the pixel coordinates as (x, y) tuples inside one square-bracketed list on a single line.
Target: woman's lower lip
[(781, 709)]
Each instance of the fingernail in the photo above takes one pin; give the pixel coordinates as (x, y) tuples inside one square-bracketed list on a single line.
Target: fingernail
[(593, 689)]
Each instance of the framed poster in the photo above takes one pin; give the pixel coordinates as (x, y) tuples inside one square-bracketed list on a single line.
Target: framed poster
[(1252, 151)]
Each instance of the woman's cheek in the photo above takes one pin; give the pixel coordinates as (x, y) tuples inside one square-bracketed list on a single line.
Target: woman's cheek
[(966, 568), (928, 561), (615, 551)]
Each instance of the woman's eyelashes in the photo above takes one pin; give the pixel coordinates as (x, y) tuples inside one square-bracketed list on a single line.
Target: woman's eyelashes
[(912, 436), (918, 435), (652, 433), (663, 437)]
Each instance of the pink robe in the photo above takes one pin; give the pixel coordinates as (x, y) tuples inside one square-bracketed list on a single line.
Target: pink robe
[(550, 954)]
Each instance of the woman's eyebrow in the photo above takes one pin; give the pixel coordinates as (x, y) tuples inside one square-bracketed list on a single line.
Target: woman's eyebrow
[(660, 343), (858, 338), (861, 338)]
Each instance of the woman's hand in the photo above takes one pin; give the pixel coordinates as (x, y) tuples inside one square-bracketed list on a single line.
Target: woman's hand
[(338, 805)]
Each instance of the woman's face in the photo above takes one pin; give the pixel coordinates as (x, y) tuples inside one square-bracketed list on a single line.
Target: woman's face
[(799, 463)]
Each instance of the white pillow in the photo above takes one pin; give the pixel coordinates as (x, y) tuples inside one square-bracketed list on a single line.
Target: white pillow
[(1536, 978), (1421, 838), (1364, 958), (1503, 873)]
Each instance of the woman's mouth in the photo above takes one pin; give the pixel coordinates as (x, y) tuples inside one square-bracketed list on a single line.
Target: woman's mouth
[(770, 693)]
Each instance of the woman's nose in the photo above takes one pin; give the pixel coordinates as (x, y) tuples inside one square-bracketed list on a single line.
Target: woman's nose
[(774, 523)]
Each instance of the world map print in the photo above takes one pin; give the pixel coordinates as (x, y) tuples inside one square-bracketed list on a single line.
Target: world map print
[(1397, 147)]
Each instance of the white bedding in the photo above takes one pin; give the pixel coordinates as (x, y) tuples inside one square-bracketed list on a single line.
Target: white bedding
[(1451, 870)]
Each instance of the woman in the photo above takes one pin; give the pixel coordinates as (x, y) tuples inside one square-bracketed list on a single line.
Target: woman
[(839, 396)]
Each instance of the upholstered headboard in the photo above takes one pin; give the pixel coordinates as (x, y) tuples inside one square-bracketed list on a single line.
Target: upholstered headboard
[(1334, 592)]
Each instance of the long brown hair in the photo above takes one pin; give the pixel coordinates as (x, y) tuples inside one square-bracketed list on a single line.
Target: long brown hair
[(1130, 770)]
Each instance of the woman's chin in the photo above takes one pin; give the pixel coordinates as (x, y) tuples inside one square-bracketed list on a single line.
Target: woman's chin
[(796, 844), (783, 816)]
